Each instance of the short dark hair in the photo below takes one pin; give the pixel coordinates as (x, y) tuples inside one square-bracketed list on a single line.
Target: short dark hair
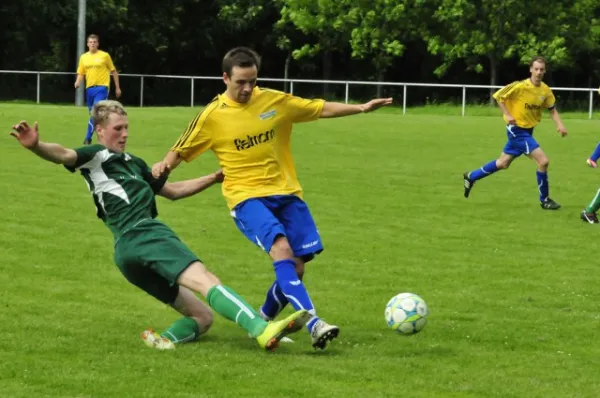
[(537, 58), (243, 57), (93, 36)]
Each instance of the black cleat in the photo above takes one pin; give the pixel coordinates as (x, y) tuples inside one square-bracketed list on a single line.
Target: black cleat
[(590, 218), (87, 142), (468, 184), (549, 204)]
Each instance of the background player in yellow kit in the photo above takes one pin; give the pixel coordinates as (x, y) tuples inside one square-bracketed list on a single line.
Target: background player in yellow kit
[(522, 103), (96, 66)]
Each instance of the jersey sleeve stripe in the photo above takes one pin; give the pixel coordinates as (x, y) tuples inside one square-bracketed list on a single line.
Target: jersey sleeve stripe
[(192, 126), (506, 89), (188, 130)]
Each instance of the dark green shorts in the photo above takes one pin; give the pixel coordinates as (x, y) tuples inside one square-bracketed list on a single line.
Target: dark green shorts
[(152, 257)]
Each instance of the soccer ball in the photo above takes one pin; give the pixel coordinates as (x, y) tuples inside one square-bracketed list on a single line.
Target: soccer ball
[(406, 313)]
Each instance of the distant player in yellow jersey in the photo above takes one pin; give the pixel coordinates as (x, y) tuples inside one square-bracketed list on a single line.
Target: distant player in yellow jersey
[(249, 129), (522, 103), (96, 66)]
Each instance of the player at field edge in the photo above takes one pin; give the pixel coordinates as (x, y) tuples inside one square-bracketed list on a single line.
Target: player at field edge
[(592, 161), (249, 130), (521, 103), (147, 252), (96, 66)]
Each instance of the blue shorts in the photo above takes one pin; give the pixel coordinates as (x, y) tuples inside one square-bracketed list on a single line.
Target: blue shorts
[(95, 94), (262, 220), (520, 141)]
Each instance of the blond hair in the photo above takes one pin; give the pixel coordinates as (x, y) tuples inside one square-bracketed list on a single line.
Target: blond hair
[(102, 110)]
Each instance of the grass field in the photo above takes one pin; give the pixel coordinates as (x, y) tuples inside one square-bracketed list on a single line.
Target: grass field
[(513, 290)]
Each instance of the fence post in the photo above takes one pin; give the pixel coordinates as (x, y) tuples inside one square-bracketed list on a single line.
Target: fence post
[(192, 92), (347, 91), (292, 87), (591, 103), (464, 100), (37, 98), (404, 99), (141, 91)]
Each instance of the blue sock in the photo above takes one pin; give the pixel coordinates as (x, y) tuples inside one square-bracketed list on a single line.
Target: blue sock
[(486, 170), (275, 301), (90, 130), (293, 288), (596, 153), (542, 181)]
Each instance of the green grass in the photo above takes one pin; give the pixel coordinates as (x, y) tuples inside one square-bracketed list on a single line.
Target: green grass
[(512, 290)]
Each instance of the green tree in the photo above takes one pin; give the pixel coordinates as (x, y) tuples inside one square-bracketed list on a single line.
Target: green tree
[(583, 38), (327, 25), (486, 32), (383, 28), (246, 16)]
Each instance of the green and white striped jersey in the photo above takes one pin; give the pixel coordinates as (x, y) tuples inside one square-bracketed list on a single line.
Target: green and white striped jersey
[(121, 184)]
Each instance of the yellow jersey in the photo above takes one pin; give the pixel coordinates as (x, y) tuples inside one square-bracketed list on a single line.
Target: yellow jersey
[(251, 142), (525, 101), (96, 67)]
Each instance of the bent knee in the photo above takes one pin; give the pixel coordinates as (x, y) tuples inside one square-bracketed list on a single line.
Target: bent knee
[(502, 165), (281, 249), (544, 163)]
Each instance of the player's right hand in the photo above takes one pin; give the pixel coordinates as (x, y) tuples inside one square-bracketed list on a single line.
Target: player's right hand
[(76, 85), (27, 136), (511, 120), (160, 169)]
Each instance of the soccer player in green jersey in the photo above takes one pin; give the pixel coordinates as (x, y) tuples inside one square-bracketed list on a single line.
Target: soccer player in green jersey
[(147, 252)]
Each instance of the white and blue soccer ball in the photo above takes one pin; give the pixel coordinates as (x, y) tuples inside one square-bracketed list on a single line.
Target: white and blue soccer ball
[(406, 313)]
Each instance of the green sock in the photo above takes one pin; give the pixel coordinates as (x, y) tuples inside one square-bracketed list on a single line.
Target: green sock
[(182, 330), (595, 204), (232, 306)]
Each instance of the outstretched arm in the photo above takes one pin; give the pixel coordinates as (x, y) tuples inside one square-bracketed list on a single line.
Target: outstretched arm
[(338, 109), (183, 189), (560, 127), (29, 137)]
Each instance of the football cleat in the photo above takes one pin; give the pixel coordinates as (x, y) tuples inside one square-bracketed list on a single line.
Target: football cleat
[(468, 184), (275, 331), (549, 204), (590, 218), (322, 332), (154, 340)]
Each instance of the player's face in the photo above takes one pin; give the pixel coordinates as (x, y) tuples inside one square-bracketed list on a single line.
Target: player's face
[(114, 133), (241, 83), (538, 69), (92, 45)]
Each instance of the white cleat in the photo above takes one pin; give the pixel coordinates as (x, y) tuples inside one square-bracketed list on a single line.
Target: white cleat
[(154, 340), (322, 332)]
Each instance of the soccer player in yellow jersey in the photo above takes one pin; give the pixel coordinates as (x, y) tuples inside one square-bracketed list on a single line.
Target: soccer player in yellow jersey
[(96, 66), (522, 103), (249, 129)]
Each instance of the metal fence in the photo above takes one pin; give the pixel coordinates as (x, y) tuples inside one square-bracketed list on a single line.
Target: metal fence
[(341, 89)]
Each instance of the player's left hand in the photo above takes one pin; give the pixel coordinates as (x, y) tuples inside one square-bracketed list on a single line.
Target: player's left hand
[(375, 104), (219, 176), (562, 130), (28, 136), (118, 92)]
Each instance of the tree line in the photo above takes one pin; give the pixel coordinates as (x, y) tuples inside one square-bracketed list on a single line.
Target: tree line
[(447, 41)]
